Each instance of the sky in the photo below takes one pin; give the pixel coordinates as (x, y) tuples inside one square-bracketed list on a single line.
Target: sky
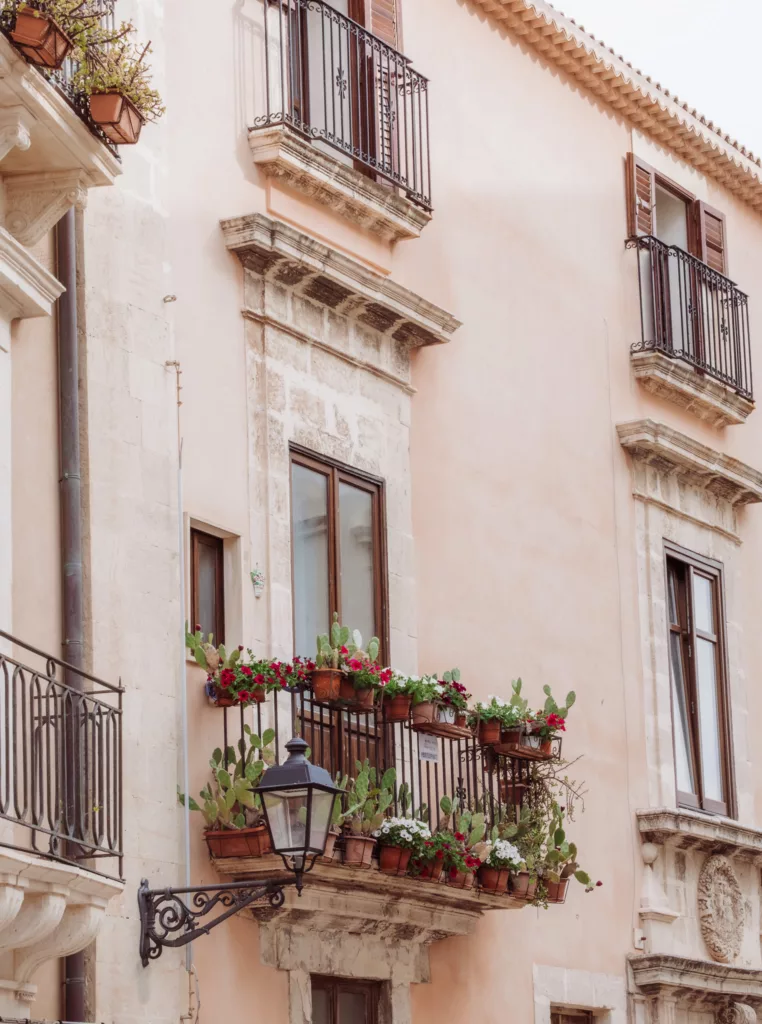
[(705, 51)]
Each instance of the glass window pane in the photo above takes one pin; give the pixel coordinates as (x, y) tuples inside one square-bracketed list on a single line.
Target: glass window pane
[(309, 496), (709, 720), (206, 590), (683, 761), (321, 1006), (352, 1008), (673, 606), (356, 540), (702, 603)]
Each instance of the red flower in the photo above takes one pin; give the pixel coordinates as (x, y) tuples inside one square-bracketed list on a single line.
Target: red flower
[(439, 854), (311, 666), (240, 647), (344, 651), (556, 722), (427, 842), (283, 682), (198, 628), (245, 670), (599, 883), (289, 669), (453, 873), (355, 665), (259, 679), (385, 676), (227, 677), (459, 836), (243, 695)]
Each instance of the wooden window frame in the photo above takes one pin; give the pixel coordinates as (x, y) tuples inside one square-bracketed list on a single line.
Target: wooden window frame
[(571, 1017), (197, 537), (370, 989), (708, 568), (337, 473)]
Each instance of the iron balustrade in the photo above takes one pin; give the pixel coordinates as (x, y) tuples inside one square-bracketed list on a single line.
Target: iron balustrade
[(64, 78), (60, 760), (440, 766), (691, 312), (330, 79)]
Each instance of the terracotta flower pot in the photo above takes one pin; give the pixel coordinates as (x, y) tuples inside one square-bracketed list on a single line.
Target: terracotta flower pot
[(532, 889), (493, 879), (222, 698), (330, 846), (117, 117), (41, 39), (242, 842), (358, 850), (557, 890), (258, 695), (431, 872), (424, 713), (461, 719), (326, 683), (489, 731), (397, 709), (360, 699), (393, 860), (518, 884), (461, 880), (511, 736)]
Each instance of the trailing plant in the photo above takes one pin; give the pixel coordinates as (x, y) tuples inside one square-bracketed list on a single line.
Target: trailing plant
[(228, 801), (559, 860)]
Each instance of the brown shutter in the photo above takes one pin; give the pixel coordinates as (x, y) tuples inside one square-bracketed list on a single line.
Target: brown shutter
[(710, 236), (385, 21), (641, 193)]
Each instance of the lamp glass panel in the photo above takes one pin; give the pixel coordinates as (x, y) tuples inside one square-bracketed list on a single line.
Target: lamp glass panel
[(322, 808), (287, 816)]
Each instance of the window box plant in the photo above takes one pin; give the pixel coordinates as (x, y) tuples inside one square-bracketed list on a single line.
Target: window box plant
[(499, 722), (501, 857), (117, 79), (231, 808), (333, 680), (397, 697), (398, 840), (40, 37), (441, 708)]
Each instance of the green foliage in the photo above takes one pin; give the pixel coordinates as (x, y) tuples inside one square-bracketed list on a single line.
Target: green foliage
[(209, 657), (120, 67), (552, 708), (368, 799)]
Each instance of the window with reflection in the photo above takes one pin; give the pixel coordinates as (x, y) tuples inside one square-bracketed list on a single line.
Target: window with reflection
[(700, 717), (207, 585)]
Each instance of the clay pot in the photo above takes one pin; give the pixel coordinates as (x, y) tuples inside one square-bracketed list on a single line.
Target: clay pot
[(532, 889), (117, 117), (326, 683), (433, 871), (358, 850), (41, 39), (330, 846), (518, 884), (511, 736), (397, 709), (489, 732), (493, 879), (360, 699), (462, 880), (242, 842), (393, 860), (557, 890), (461, 719), (424, 713), (258, 695), (220, 698)]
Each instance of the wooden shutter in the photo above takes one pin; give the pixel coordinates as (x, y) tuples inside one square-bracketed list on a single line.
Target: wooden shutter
[(384, 21), (710, 236), (641, 194)]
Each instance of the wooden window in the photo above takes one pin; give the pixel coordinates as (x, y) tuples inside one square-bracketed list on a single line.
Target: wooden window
[(340, 1001), (660, 207), (338, 561), (698, 674), (571, 1017), (207, 585)]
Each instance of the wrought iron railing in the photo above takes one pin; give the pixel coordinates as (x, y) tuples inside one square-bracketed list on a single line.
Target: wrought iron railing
[(64, 77), (60, 759), (330, 79), (471, 775), (691, 312)]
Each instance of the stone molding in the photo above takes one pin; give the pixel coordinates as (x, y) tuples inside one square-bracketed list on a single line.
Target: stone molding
[(721, 909), (282, 153), (737, 1013), (691, 830), (679, 382), (34, 203), (47, 910), (27, 289), (14, 132), (294, 260), (695, 984), (604, 994)]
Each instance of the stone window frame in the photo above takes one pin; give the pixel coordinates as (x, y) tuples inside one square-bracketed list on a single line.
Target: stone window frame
[(556, 989)]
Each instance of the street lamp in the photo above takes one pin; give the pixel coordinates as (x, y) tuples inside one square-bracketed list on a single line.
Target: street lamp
[(297, 800)]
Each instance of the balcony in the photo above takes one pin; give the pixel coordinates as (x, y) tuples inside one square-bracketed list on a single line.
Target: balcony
[(342, 117), (695, 347), (60, 809)]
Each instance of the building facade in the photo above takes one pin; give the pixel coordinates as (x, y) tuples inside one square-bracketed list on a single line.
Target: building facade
[(459, 344)]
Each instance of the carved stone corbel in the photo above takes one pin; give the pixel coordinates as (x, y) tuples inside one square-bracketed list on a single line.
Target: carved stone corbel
[(14, 133), (11, 898), (737, 1013), (34, 203), (39, 914), (77, 929)]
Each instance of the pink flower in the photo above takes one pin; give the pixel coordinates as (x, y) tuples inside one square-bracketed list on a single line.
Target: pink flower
[(355, 665)]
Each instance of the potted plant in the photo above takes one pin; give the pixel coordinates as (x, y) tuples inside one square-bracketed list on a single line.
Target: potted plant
[(362, 676), (440, 707), (544, 725), (368, 805), (327, 674), (399, 839), (214, 661), (231, 808), (559, 863), (117, 80), (501, 857), (397, 696), (497, 722), (337, 816), (469, 831), (47, 31), (528, 836)]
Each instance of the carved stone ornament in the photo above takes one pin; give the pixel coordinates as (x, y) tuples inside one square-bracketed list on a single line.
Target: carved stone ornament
[(721, 910), (737, 1013)]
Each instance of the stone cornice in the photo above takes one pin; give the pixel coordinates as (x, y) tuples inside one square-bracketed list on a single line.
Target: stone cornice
[(696, 983), (27, 289), (690, 830), (284, 154), (673, 452), (295, 260), (645, 104)]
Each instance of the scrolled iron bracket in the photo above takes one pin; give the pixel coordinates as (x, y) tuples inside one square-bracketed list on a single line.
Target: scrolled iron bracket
[(168, 920)]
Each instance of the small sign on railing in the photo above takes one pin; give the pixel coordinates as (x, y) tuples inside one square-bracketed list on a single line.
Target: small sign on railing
[(428, 748)]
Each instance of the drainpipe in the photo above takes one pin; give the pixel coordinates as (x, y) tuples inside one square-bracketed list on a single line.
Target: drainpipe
[(70, 496)]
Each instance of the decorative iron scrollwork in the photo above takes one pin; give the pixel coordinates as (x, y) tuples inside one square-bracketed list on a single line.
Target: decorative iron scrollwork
[(167, 920)]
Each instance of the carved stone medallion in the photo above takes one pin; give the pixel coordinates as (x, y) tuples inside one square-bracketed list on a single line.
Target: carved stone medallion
[(721, 910), (737, 1013)]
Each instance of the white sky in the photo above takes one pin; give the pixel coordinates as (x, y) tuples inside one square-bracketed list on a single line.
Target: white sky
[(705, 51)]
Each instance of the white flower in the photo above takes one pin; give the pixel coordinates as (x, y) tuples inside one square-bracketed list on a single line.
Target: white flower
[(377, 833), (406, 835), (506, 853)]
